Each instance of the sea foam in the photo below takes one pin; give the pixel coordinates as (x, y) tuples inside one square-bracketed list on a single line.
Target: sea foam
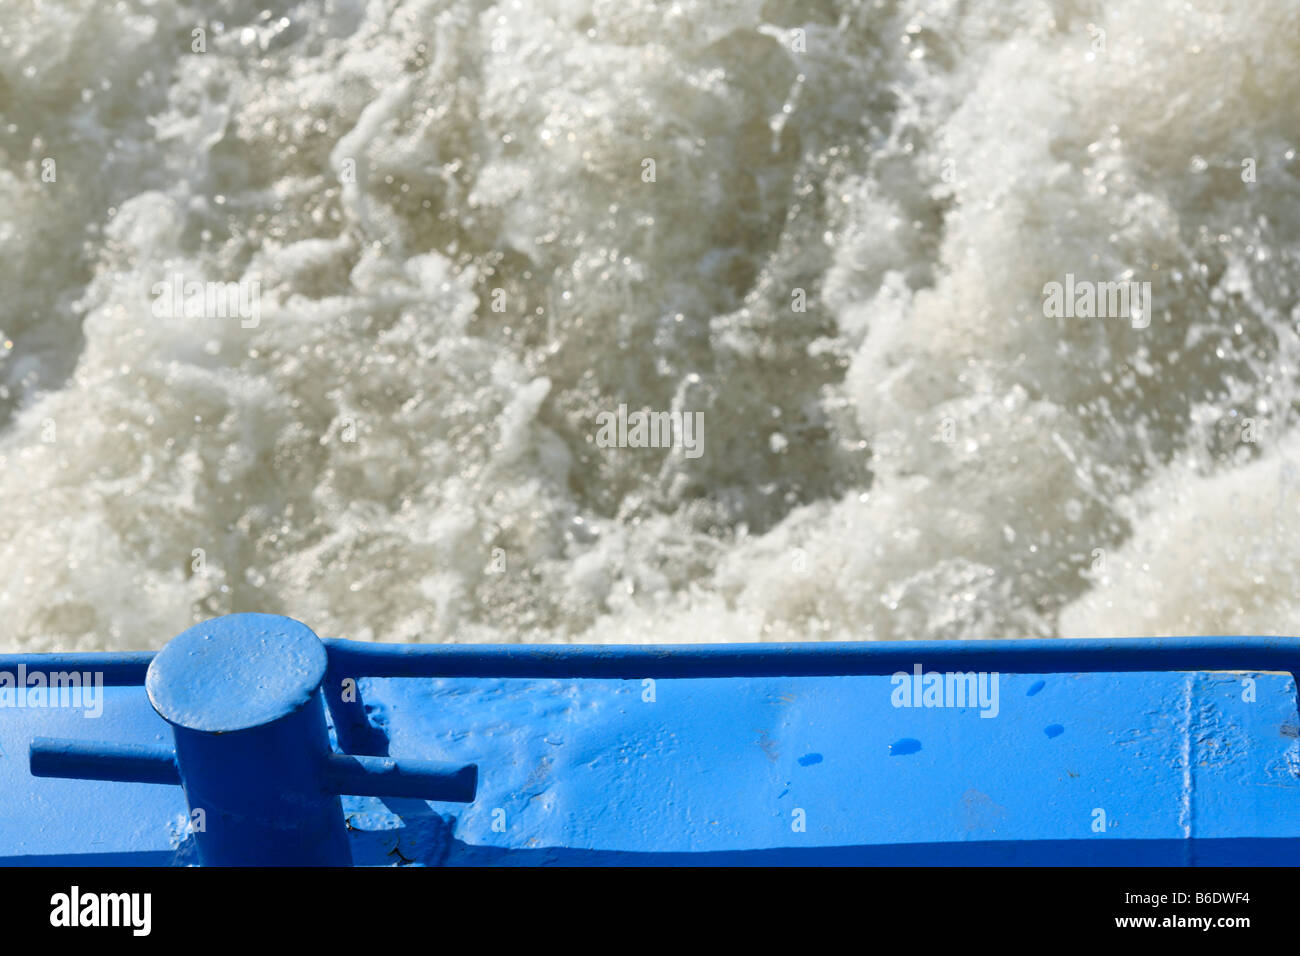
[(462, 260)]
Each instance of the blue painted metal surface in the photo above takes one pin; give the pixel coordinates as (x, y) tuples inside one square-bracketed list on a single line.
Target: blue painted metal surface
[(1133, 751)]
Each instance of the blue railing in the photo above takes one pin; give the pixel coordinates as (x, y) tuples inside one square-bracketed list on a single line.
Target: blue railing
[(685, 661)]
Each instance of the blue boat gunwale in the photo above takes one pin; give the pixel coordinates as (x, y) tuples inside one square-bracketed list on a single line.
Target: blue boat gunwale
[(365, 768)]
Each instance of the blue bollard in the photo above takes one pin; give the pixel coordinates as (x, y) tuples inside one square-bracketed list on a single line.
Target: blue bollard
[(242, 694)]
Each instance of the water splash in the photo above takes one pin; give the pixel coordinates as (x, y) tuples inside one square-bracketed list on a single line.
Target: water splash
[(919, 453)]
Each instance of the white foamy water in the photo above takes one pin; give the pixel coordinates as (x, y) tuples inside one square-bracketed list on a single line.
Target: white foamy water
[(459, 265)]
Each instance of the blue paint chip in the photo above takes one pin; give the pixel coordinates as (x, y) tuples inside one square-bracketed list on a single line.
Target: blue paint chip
[(1053, 730), (807, 760), (1035, 687), (908, 745)]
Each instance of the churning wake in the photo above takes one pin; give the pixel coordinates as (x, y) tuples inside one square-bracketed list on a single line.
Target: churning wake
[(464, 231)]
